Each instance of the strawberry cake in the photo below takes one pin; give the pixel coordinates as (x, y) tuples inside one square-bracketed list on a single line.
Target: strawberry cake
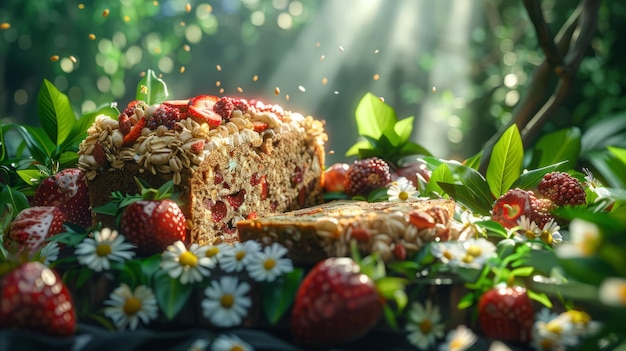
[(229, 158)]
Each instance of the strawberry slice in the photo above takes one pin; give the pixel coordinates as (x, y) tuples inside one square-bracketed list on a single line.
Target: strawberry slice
[(201, 110), (259, 126), (35, 298), (31, 227), (135, 133), (236, 200), (181, 105)]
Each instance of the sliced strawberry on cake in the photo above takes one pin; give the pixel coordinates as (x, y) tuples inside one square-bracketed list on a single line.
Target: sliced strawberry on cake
[(31, 227), (201, 110)]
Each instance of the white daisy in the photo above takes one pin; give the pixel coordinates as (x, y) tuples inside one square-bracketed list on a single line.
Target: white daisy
[(550, 233), (105, 246), (458, 339), (49, 253), (189, 266), (230, 343), (449, 252), (239, 257), (128, 307), (476, 252), (596, 186), (199, 345), (226, 302), (402, 190), (584, 240), (424, 325), (553, 333), (612, 291), (468, 221), (528, 229), (216, 252), (270, 263)]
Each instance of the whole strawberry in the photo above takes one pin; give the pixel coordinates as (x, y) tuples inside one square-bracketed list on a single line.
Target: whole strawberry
[(365, 175), (562, 189), (152, 225), (35, 298), (31, 227), (335, 304), (334, 177), (511, 206), (506, 313), (66, 190)]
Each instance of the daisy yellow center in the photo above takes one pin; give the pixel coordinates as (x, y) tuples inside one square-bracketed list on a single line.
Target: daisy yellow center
[(103, 250), (530, 235), (474, 250), (227, 300), (426, 326), (447, 254), (269, 264), (236, 348), (188, 258), (468, 259), (240, 255), (456, 344), (403, 195), (554, 327), (579, 317), (132, 306), (212, 251), (546, 236), (622, 294), (546, 344)]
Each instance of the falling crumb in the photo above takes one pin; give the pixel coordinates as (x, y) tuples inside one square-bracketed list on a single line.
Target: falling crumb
[(331, 152), (208, 8), (186, 47), (218, 83), (434, 89), (182, 23), (105, 12), (382, 99), (92, 36), (240, 89), (5, 25), (277, 91), (255, 78), (336, 92), (155, 3), (341, 48), (188, 7), (324, 80), (322, 57), (219, 68), (221, 90), (376, 76), (81, 6), (317, 45), (54, 58), (126, 18), (301, 88), (376, 51), (73, 59), (182, 69), (287, 97)]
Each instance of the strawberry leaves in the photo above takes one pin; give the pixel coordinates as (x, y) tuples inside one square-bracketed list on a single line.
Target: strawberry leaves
[(382, 134)]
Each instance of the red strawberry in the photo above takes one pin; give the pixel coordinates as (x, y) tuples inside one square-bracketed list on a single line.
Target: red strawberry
[(334, 177), (181, 105), (135, 132), (124, 123), (259, 126), (511, 206), (30, 228), (201, 110), (153, 225), (130, 108), (35, 298), (218, 211), (506, 313), (335, 303), (236, 200), (66, 190)]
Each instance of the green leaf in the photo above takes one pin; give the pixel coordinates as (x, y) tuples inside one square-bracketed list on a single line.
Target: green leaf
[(170, 293), (619, 153), (14, 198), (493, 228), (467, 196), (278, 295), (530, 180), (539, 297), (37, 141), (608, 132), (562, 145), (522, 271), (362, 144), (79, 129), (151, 89), (505, 164), (55, 112), (411, 148), (403, 129), (466, 301), (373, 116), (149, 266), (441, 174), (389, 286), (474, 161), (31, 177)]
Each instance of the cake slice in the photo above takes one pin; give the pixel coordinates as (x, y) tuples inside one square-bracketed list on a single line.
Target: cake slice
[(229, 159), (393, 229)]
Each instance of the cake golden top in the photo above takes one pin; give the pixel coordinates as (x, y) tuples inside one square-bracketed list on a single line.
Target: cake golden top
[(176, 135)]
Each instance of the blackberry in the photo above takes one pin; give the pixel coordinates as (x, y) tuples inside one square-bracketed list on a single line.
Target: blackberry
[(511, 206), (365, 175), (164, 115), (562, 189)]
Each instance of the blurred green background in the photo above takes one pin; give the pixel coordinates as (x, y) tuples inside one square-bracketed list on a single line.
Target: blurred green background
[(460, 66)]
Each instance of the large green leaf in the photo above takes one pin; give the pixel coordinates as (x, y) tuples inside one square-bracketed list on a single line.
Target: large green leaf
[(37, 141), (610, 131), (278, 296), (151, 89), (609, 166), (17, 200), (403, 129), (529, 180), (440, 174), (467, 196), (170, 293), (373, 116), (619, 153), (55, 112), (562, 145), (79, 130), (505, 164)]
